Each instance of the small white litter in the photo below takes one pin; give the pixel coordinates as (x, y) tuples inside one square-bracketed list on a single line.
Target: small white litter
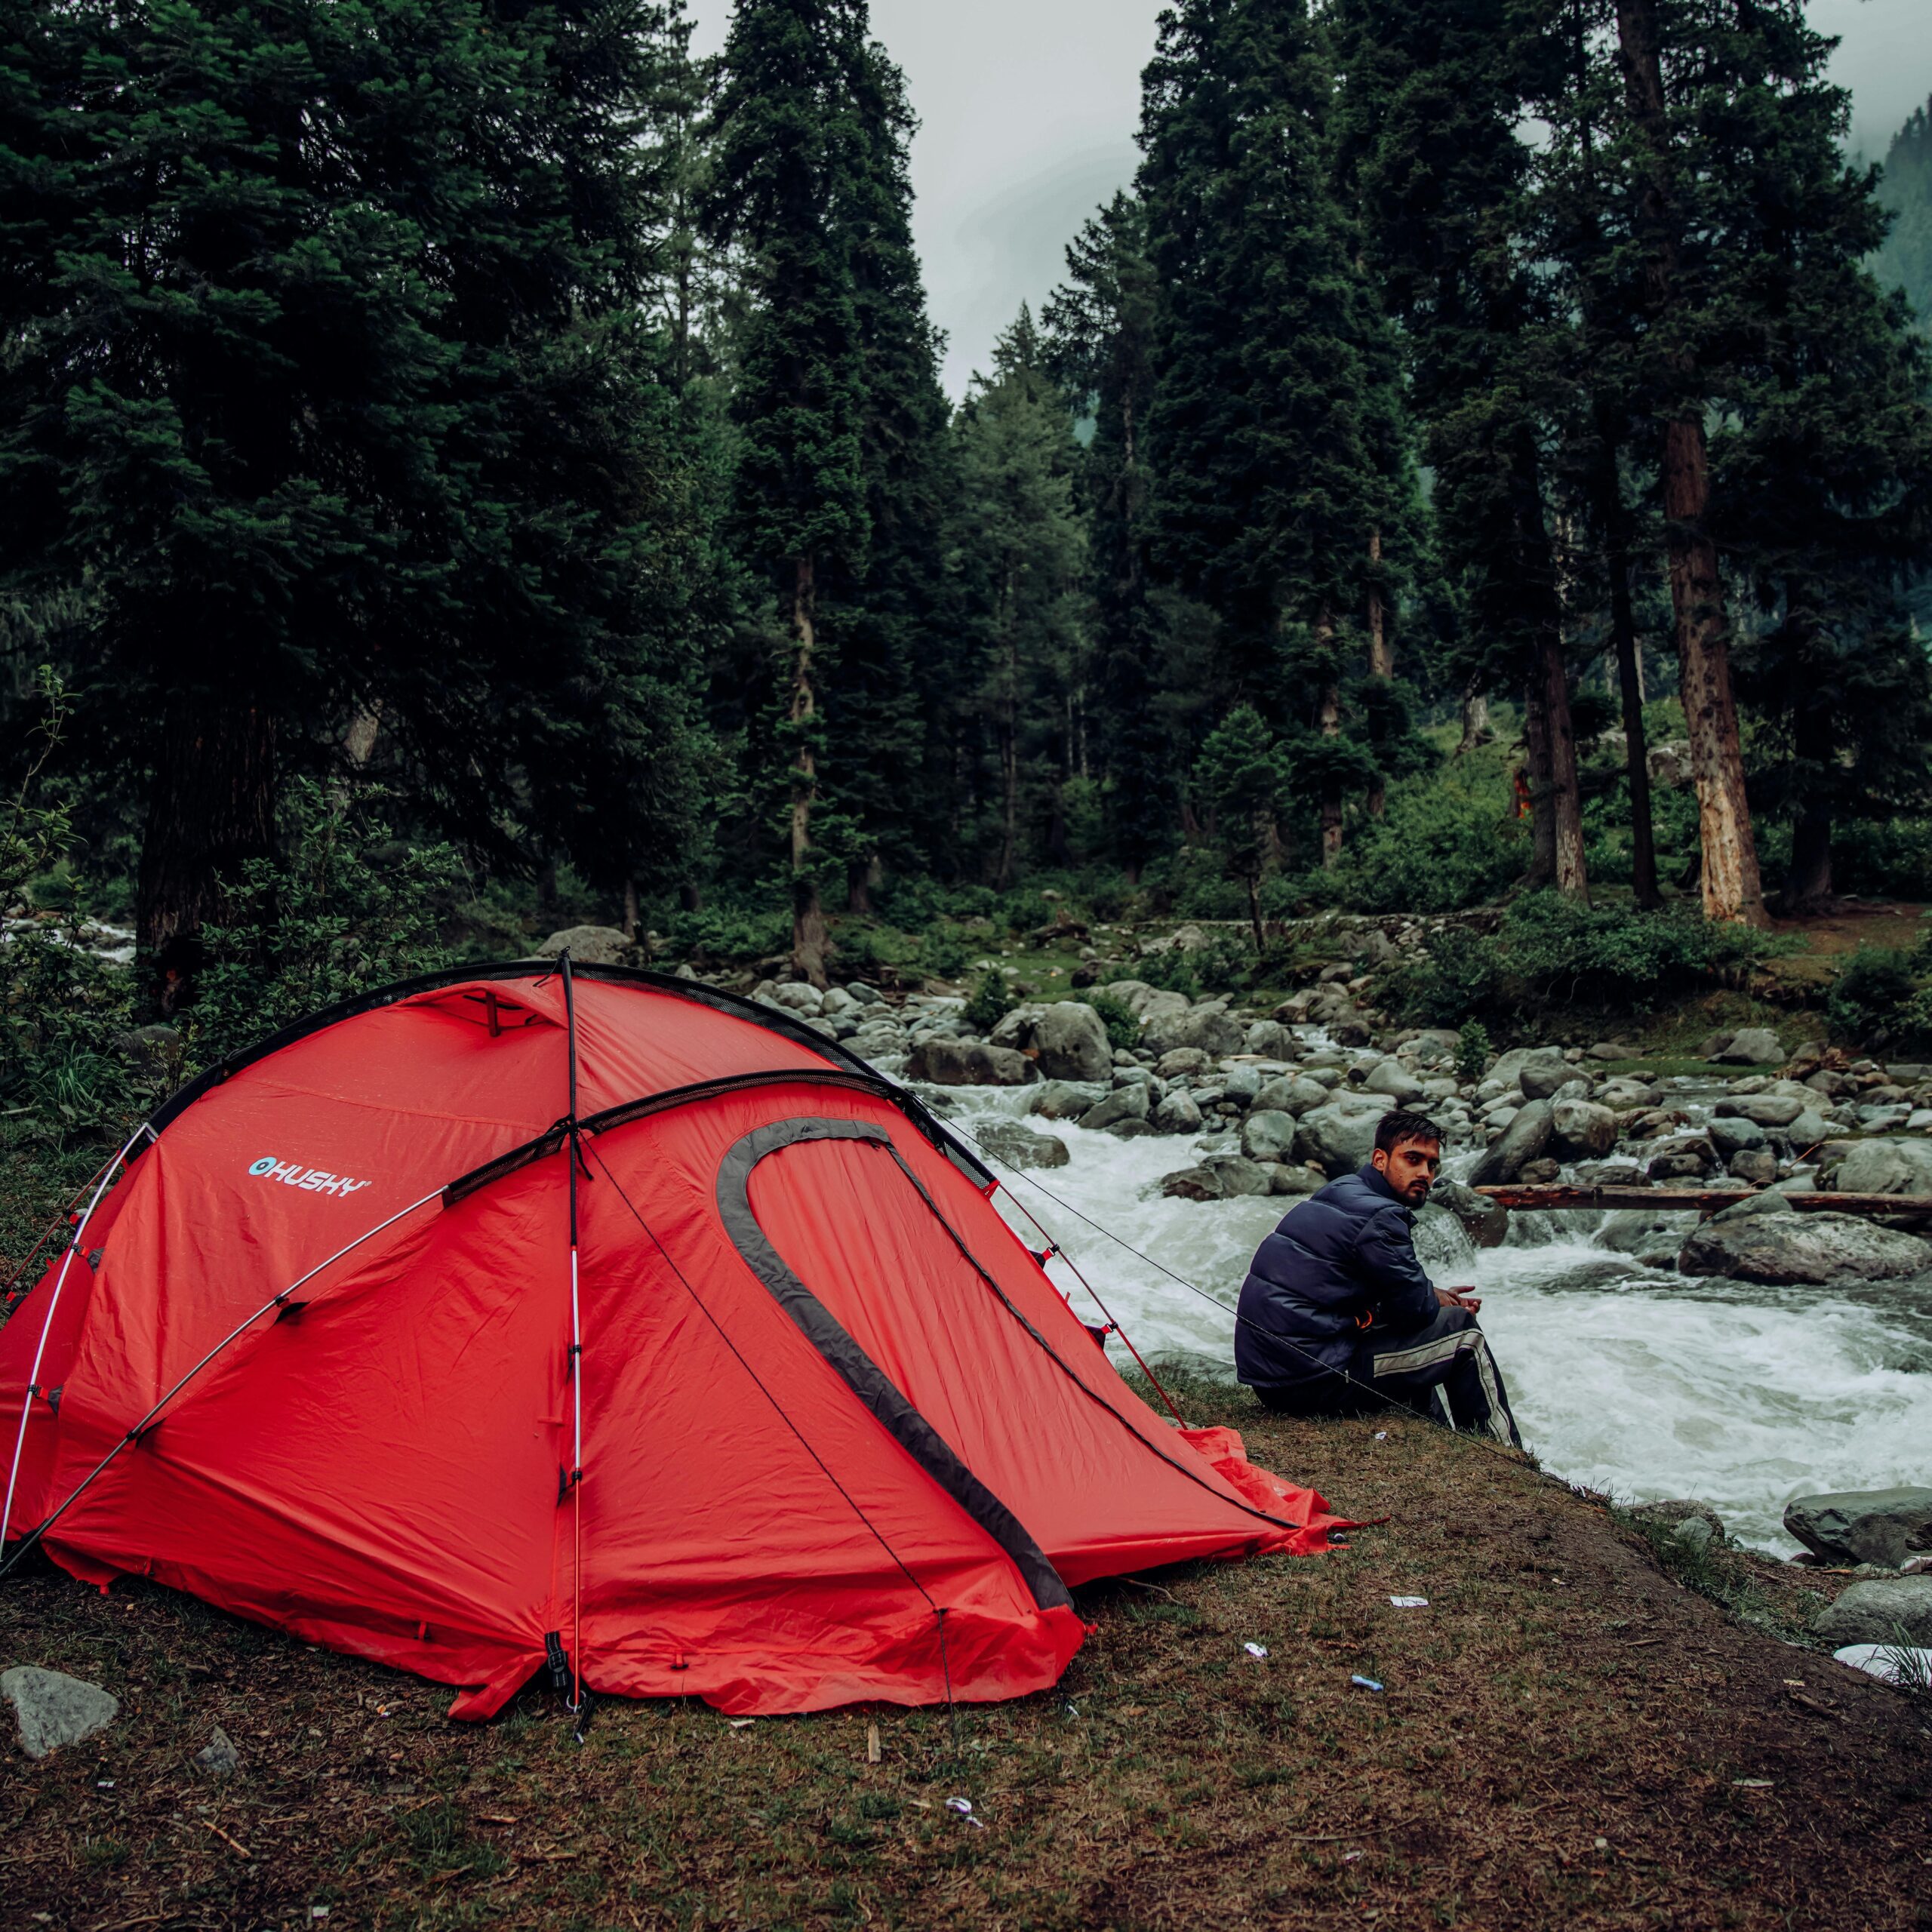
[(1364, 1683), (1381, 1436), (1753, 1784), (1890, 1663), (964, 1806), (1409, 1603), (741, 1723), (1256, 1649)]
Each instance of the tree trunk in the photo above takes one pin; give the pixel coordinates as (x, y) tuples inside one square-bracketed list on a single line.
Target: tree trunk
[(862, 878), (630, 910), (1808, 885), (1328, 721), (1637, 753), (1381, 652), (1566, 800), (807, 914), (211, 809), (1477, 729), (358, 742), (1542, 815), (1254, 911), (1729, 880)]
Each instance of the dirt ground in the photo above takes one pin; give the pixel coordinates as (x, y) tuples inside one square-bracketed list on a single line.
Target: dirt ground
[(1565, 1737)]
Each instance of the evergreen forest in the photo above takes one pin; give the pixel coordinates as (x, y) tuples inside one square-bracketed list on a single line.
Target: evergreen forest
[(469, 467)]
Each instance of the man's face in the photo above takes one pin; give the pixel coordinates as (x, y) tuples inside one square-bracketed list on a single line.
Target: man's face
[(1410, 1167)]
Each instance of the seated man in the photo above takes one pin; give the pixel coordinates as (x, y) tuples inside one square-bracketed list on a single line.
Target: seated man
[(1336, 1316)]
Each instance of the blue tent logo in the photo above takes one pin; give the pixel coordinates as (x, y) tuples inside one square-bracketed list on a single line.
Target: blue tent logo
[(266, 1165)]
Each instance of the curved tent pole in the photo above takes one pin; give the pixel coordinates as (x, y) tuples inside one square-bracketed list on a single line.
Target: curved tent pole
[(576, 1480), (47, 1327), (241, 1328)]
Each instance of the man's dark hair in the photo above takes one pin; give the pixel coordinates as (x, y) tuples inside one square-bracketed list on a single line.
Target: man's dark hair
[(1397, 1126)]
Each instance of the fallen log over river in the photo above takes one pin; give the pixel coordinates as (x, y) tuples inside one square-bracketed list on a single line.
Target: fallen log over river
[(1701, 1200)]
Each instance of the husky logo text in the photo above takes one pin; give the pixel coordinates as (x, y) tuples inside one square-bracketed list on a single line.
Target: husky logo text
[(313, 1180)]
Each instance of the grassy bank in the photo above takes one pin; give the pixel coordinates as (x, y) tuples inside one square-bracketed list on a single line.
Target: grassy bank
[(1567, 1737)]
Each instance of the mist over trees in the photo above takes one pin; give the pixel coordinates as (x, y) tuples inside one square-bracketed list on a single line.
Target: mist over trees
[(500, 403)]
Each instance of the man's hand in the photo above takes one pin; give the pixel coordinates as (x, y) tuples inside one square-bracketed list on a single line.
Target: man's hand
[(1458, 1298)]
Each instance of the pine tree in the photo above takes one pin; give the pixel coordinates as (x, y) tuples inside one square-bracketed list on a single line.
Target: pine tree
[(1904, 259), (1240, 777), (1272, 364), (328, 390), (786, 143), (1018, 550), (1429, 156), (1100, 328)]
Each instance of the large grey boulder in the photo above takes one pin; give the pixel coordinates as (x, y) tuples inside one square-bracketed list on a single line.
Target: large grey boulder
[(1292, 1094), (591, 946), (1649, 1236), (1509, 1069), (1888, 1526), (1272, 1040), (1544, 1079), (1237, 1176), (1066, 1037), (1181, 1063), (1729, 1136), (967, 1063), (1123, 1104), (1812, 1249), (1268, 1136), (1288, 1179), (1761, 1109), (1337, 1138), (53, 1708), (1756, 1046), (1391, 1077), (1524, 1140), (1486, 1221), (1886, 1166), (1582, 1131), (1020, 1146), (1807, 1130), (1067, 1099), (1879, 1610), (1178, 1114), (1207, 1027)]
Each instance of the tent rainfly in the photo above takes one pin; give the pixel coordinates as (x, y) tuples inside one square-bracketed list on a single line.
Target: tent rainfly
[(526, 1318)]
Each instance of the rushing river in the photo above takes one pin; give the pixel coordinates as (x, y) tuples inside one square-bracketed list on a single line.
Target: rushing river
[(1626, 1378)]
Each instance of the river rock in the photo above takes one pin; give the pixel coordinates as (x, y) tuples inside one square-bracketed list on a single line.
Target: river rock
[(1271, 1040), (1807, 1130), (1677, 1510), (1886, 1166), (1545, 1079), (1268, 1136), (1758, 1166), (53, 1708), (1808, 1249), (1067, 1099), (597, 946), (1879, 1610), (1581, 1130), (967, 1063), (1241, 1085), (1684, 1156), (1066, 1037), (1286, 1178), (1207, 1027), (1019, 1147), (1761, 1109), (1183, 1063), (1523, 1141), (1236, 1176), (1756, 1046), (1191, 1184), (1772, 1201), (1888, 1526), (1132, 1103), (1177, 1114), (1292, 1094), (1486, 1221), (218, 1757), (1649, 1236), (1391, 1077), (1337, 1138), (1507, 1071), (1730, 1136)]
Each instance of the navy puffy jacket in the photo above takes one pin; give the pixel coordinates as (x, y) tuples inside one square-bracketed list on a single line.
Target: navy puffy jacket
[(1343, 1255)]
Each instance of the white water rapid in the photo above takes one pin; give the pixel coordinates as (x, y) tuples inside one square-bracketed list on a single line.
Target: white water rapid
[(1630, 1379)]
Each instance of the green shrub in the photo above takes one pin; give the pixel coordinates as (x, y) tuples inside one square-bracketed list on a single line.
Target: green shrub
[(1446, 843), (988, 1003), (1455, 973), (1123, 1029), (1871, 988), (1472, 1051)]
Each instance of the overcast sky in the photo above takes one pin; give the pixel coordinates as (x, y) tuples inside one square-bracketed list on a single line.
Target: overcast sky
[(1027, 109)]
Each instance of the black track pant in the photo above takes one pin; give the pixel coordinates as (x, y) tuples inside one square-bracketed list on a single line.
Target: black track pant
[(1448, 1359)]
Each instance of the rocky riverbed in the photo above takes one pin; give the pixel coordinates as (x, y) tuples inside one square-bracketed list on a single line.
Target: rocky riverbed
[(1747, 1359)]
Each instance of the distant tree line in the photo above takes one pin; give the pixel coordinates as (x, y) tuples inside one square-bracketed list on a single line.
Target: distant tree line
[(497, 397)]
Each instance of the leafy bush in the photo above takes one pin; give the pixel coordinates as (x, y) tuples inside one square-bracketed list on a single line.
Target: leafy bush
[(1455, 972), (988, 1003), (348, 908), (1472, 1051), (1123, 1030), (1445, 844), (1872, 987)]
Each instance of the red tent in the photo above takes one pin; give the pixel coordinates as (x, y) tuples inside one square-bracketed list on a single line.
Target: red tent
[(757, 1397)]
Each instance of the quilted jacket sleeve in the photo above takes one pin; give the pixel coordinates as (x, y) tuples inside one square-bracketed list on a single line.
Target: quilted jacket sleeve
[(1400, 1294)]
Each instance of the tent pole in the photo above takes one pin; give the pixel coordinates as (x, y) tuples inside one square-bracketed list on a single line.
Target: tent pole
[(577, 1371), (47, 1327)]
